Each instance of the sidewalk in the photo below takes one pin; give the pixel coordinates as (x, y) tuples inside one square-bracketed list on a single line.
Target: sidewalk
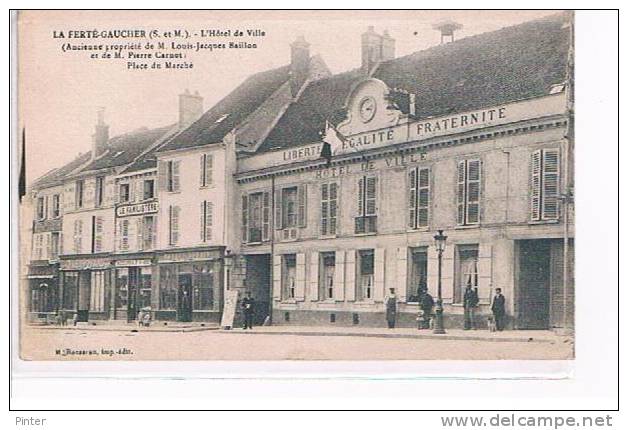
[(158, 326), (546, 336)]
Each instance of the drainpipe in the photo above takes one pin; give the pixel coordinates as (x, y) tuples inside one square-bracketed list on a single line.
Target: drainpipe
[(271, 233)]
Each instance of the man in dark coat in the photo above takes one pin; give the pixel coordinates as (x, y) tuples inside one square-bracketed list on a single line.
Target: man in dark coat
[(426, 303), (248, 304), (499, 309), (391, 308), (470, 301)]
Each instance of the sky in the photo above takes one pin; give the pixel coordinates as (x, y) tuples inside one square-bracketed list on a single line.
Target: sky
[(59, 92)]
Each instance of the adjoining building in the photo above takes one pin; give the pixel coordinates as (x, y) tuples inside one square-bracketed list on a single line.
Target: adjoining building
[(472, 137)]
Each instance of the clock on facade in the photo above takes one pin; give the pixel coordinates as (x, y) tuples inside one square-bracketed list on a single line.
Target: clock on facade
[(367, 108)]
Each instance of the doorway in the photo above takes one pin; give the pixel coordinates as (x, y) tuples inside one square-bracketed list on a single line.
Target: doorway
[(84, 293), (258, 284), (184, 307), (533, 298)]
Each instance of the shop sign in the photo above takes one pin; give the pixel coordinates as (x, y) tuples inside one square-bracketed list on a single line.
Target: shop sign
[(137, 209), (132, 263)]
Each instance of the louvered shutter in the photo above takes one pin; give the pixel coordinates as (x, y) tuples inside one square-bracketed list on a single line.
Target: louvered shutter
[(124, 233), (412, 198), (535, 185), (139, 233), (201, 221), (45, 207), (380, 275), (313, 275), (302, 205), (277, 277), (176, 180), (324, 209), (300, 277), (423, 206), (98, 234), (265, 216), (402, 273), (551, 183), (339, 276), (485, 269), (350, 275), (278, 212), (202, 170), (245, 218), (461, 191), (109, 191), (175, 224), (473, 191), (371, 195), (333, 208), (162, 175), (132, 192), (361, 186), (209, 169), (209, 220), (69, 197)]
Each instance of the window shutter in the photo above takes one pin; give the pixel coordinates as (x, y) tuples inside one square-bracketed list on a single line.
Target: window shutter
[(132, 192), (68, 201), (98, 234), (551, 183), (432, 271), (333, 208), (535, 185), (339, 276), (245, 217), (379, 275), (176, 182), (202, 170), (371, 195), (209, 220), (278, 217), (139, 233), (314, 275), (109, 191), (423, 206), (447, 273), (361, 186), (402, 273), (324, 209), (473, 191), (124, 232), (201, 222), (484, 272), (265, 216), (45, 207), (60, 243), (300, 277), (175, 224), (162, 175), (412, 198), (461, 191), (350, 275), (209, 169), (277, 277), (302, 205)]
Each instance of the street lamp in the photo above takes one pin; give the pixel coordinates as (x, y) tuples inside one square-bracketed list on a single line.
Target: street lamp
[(439, 243)]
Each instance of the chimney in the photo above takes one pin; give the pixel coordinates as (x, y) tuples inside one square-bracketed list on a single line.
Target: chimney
[(101, 134), (376, 48), (299, 63), (190, 108), (447, 29)]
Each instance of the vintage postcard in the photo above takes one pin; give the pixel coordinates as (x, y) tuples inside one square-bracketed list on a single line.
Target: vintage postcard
[(296, 185)]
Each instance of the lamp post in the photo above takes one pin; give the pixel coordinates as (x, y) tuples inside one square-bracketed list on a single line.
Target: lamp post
[(439, 243)]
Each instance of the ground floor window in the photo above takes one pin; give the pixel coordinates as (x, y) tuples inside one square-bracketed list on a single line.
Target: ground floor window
[(145, 277), (185, 287), (418, 273), (466, 270), (366, 271), (98, 288), (70, 289), (289, 276), (133, 287), (168, 287), (328, 267), (122, 288), (202, 278), (43, 297)]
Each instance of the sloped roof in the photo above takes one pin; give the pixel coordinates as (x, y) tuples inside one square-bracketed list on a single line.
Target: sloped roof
[(488, 69), (148, 159), (232, 110), (56, 176), (125, 148)]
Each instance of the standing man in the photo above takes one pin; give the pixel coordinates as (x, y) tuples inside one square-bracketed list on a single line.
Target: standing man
[(391, 308), (248, 304), (427, 305), (499, 309), (470, 301)]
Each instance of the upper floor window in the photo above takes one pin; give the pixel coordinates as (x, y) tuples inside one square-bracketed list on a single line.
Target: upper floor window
[(172, 176), (149, 189), (100, 190), (78, 198), (545, 183), (256, 217), (468, 192), (366, 219), (290, 210), (329, 208), (41, 208), (418, 197), (207, 170), (55, 245), (56, 205), (125, 193), (78, 236), (148, 228)]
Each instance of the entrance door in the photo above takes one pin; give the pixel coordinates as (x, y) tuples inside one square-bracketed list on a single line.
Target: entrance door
[(184, 308), (132, 305), (84, 293), (534, 284)]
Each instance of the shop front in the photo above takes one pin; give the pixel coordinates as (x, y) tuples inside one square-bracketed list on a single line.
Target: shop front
[(43, 291), (85, 287), (134, 282), (190, 285)]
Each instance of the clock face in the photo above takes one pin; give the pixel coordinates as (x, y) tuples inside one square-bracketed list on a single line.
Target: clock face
[(367, 108)]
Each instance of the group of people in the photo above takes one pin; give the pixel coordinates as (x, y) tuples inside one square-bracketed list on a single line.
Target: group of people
[(470, 304)]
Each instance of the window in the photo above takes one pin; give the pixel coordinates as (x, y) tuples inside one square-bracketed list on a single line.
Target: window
[(149, 233), (70, 290), (468, 192), (366, 221), (97, 291), (41, 208), (288, 278), (43, 298), (97, 233), (366, 266), (125, 193), (207, 172), (54, 245), (419, 197), (78, 198), (545, 183), (100, 190), (328, 268), (173, 224), (38, 248), (56, 205), (289, 209), (202, 287), (329, 208), (207, 209), (418, 273), (124, 235), (168, 287), (144, 287), (122, 288), (149, 189), (467, 270), (172, 176), (256, 217), (78, 236)]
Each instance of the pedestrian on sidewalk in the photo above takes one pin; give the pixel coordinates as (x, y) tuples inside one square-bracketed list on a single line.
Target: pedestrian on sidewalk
[(426, 303), (248, 307), (470, 302), (391, 308), (498, 307)]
